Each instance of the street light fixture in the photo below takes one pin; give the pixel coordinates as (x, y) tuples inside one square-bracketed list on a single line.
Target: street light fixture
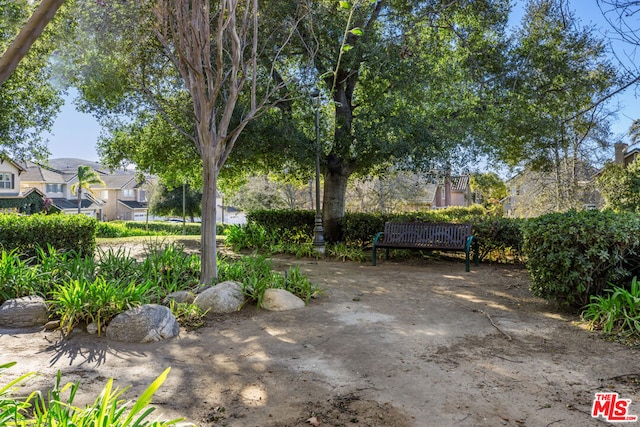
[(318, 231)]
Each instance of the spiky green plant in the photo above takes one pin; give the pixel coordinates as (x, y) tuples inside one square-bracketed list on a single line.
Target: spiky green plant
[(57, 407), (617, 311)]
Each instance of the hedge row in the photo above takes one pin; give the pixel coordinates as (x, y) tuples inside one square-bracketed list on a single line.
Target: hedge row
[(63, 232), (496, 236)]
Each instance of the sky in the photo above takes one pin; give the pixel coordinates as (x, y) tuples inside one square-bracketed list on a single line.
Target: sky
[(75, 134)]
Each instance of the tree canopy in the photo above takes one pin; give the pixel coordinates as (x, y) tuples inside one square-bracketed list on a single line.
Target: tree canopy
[(29, 100)]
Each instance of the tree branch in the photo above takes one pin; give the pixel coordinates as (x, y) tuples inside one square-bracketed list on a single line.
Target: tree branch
[(27, 36)]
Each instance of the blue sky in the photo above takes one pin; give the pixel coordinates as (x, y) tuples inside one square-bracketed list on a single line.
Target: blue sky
[(75, 134)]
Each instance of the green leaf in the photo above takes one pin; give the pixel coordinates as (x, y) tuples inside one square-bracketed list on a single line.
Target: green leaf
[(356, 31), (347, 48), (345, 5)]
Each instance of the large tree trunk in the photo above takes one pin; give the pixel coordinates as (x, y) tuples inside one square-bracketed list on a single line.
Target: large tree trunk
[(27, 36), (336, 178), (209, 265)]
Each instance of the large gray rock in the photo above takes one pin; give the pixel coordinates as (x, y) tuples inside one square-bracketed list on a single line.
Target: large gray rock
[(25, 312), (147, 323), (224, 297), (280, 300)]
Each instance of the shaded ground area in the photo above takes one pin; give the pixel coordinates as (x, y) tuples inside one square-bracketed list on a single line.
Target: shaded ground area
[(409, 343)]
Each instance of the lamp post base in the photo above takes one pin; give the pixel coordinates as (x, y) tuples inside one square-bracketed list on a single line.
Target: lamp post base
[(318, 237)]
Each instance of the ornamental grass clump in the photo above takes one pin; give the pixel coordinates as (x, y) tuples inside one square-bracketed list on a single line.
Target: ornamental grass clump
[(617, 312), (57, 407)]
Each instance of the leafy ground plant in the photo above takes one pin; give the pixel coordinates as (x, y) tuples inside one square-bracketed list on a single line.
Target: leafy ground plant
[(189, 315), (57, 407), (617, 312), (96, 301)]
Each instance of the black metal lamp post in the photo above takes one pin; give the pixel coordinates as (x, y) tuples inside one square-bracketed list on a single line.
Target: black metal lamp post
[(318, 231)]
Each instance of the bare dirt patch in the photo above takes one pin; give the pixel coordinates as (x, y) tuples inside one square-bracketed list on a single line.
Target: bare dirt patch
[(409, 343)]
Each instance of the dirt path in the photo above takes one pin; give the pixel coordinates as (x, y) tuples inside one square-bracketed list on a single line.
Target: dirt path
[(414, 343)]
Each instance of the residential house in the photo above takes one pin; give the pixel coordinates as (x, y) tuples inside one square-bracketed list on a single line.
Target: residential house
[(534, 193), (452, 191), (56, 186), (123, 196), (623, 155), (12, 197)]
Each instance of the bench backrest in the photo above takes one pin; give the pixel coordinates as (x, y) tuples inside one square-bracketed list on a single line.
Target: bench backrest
[(427, 235)]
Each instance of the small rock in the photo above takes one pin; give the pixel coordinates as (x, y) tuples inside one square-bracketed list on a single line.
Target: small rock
[(52, 325), (92, 328), (179, 297), (281, 300)]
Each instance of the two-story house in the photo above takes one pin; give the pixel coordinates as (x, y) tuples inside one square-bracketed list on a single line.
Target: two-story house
[(125, 197), (13, 198), (56, 186)]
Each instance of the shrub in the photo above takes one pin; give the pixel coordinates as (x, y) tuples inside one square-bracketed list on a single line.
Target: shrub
[(573, 255), (292, 226), (256, 276), (62, 232)]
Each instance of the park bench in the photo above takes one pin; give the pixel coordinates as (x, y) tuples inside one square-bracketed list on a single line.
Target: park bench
[(424, 235)]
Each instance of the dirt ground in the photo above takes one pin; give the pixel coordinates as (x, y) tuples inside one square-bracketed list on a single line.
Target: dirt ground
[(406, 343)]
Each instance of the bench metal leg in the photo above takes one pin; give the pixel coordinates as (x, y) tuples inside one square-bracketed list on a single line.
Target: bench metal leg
[(467, 264), (373, 256)]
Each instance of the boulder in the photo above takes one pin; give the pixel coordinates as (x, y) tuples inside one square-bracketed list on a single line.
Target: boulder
[(179, 297), (147, 323), (225, 297), (25, 312), (280, 300)]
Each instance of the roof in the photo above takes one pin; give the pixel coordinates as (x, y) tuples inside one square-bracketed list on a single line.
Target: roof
[(37, 173), (132, 204), (64, 204), (23, 194), (5, 158), (118, 181), (460, 183)]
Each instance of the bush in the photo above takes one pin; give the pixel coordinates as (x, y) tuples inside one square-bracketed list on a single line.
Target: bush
[(574, 255), (276, 231), (291, 226), (63, 232)]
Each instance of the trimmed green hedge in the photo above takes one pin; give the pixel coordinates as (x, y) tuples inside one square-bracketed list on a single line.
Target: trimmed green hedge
[(498, 237), (574, 255), (63, 232)]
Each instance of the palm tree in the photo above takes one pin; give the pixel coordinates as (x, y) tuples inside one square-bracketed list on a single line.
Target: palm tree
[(86, 177)]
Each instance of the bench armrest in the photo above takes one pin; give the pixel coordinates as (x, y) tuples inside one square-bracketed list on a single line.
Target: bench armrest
[(378, 236)]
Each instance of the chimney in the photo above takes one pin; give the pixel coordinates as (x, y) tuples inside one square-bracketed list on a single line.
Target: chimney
[(621, 150)]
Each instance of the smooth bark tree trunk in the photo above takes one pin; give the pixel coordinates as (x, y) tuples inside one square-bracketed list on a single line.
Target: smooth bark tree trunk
[(209, 265)]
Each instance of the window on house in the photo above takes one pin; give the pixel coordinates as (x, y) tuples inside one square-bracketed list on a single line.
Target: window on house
[(143, 195), (6, 180), (54, 188), (128, 193), (104, 194)]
